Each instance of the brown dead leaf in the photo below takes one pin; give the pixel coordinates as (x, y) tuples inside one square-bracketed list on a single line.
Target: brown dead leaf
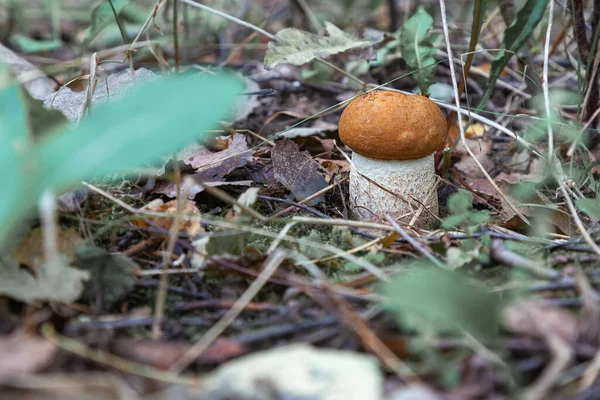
[(468, 166), (210, 167), (30, 252), (537, 319), (524, 168), (163, 355), (22, 352), (210, 164), (557, 217), (297, 171), (192, 228)]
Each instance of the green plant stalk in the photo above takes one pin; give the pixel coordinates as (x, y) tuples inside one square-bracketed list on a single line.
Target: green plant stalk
[(118, 21), (515, 36), (479, 8), (176, 34)]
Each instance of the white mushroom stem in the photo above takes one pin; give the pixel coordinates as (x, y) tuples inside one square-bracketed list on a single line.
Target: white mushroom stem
[(409, 179)]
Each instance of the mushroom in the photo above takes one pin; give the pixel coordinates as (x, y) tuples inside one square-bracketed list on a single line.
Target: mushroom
[(393, 137)]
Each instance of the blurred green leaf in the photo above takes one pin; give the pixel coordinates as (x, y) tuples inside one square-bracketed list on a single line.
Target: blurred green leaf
[(589, 206), (460, 201), (416, 48), (154, 120), (515, 36), (297, 47), (373, 258), (460, 206), (448, 300), (14, 144), (41, 120), (28, 45), (111, 275), (453, 221), (102, 16)]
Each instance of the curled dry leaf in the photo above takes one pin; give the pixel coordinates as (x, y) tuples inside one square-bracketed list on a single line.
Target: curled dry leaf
[(210, 167), (191, 227), (536, 319)]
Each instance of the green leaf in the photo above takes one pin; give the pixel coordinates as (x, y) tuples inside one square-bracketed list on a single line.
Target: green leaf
[(153, 121), (445, 299), (52, 281), (102, 16), (111, 275), (14, 144), (454, 221), (41, 120), (589, 206), (297, 47), (478, 217), (515, 36), (29, 45), (460, 202), (373, 258), (416, 49)]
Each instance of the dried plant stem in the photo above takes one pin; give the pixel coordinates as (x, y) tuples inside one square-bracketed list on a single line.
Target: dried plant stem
[(175, 21), (578, 222), (47, 209), (224, 196), (161, 297), (545, 83), (309, 198)]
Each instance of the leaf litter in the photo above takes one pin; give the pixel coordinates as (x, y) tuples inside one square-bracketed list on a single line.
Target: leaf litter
[(449, 333)]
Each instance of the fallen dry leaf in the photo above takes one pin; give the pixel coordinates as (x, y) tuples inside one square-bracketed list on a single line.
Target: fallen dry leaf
[(214, 165), (30, 252), (163, 355), (22, 352), (52, 281), (209, 167), (537, 319), (191, 227), (548, 213), (468, 166), (297, 171)]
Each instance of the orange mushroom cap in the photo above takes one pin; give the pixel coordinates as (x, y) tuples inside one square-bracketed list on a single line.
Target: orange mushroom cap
[(388, 125)]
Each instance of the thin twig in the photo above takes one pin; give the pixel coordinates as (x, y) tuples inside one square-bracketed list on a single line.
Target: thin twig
[(500, 253), (270, 265), (224, 196), (101, 357), (578, 222), (418, 246), (306, 200)]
